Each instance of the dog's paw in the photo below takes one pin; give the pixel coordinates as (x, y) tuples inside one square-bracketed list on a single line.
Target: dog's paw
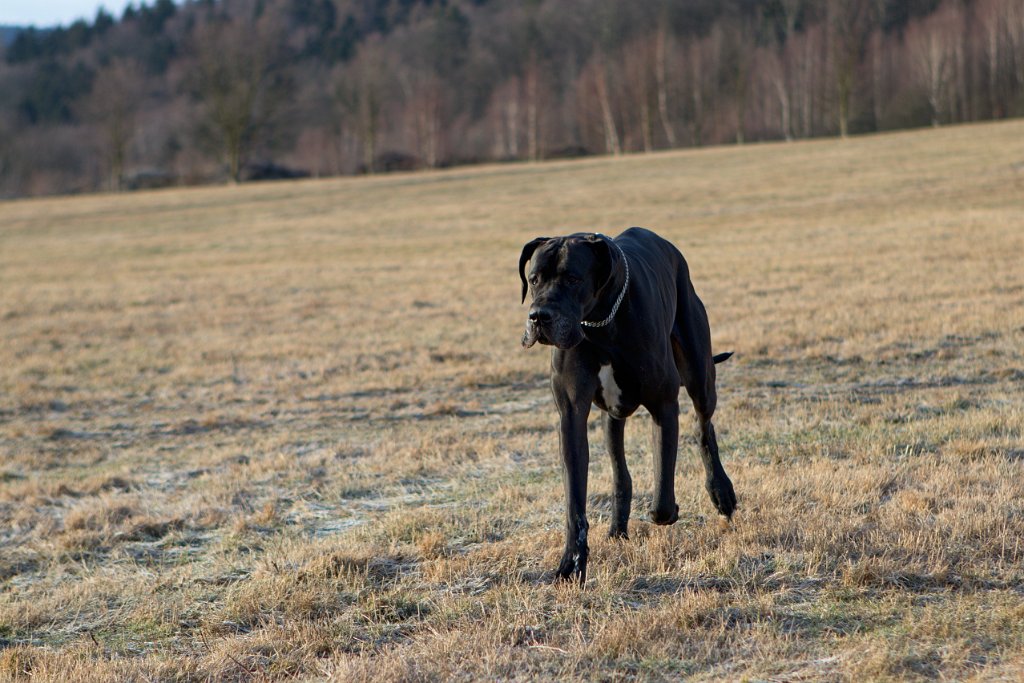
[(722, 495), (665, 517), (573, 567)]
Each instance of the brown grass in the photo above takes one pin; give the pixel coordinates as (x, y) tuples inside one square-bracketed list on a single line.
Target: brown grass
[(287, 430)]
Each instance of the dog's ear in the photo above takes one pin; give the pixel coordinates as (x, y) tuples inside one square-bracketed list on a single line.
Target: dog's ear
[(608, 257), (525, 257)]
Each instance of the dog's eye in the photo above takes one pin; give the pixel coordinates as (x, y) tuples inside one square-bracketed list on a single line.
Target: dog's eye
[(573, 280), (534, 280)]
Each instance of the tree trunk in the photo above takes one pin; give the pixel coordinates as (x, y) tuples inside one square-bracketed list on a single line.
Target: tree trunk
[(512, 124), (659, 75), (697, 96), (784, 107), (844, 107), (806, 100), (611, 135), (645, 126), (876, 78), (532, 123), (369, 114), (993, 66), (845, 67), (935, 68), (234, 160)]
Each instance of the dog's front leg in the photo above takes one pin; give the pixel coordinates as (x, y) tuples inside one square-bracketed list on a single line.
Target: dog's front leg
[(614, 439), (575, 460)]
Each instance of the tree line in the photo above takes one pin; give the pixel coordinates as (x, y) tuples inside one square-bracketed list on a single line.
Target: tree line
[(215, 90)]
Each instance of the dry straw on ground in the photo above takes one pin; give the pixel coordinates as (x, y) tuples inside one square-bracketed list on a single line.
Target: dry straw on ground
[(287, 430)]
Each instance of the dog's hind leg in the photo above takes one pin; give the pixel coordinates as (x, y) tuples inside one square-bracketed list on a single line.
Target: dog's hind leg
[(614, 440), (666, 445), (691, 347)]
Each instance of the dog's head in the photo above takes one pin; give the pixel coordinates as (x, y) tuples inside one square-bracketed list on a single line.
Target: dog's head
[(567, 276)]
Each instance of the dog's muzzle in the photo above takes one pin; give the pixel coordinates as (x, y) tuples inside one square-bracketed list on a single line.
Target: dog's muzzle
[(545, 327), (531, 335)]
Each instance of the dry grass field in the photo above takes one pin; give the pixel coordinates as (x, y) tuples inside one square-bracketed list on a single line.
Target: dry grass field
[(287, 430)]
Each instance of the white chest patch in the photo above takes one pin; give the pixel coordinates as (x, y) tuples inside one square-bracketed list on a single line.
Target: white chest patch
[(609, 389)]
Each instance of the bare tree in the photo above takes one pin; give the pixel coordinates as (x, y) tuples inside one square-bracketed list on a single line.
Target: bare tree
[(238, 68), (360, 97), (638, 63), (989, 15), (954, 29), (113, 106), (1002, 25), (595, 99), (877, 51), (778, 63), (697, 54), (506, 115), (930, 56), (807, 48), (740, 44), (660, 60), (534, 94), (772, 84), (705, 63), (849, 23), (1014, 14), (425, 103)]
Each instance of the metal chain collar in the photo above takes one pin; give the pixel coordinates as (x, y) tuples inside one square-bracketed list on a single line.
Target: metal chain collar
[(622, 294)]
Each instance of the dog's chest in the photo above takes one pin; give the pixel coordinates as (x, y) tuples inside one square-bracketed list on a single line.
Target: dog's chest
[(610, 396)]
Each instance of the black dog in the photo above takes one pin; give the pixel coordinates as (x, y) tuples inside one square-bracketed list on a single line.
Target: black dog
[(628, 330)]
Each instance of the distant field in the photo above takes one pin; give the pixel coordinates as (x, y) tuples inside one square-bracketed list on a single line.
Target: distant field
[(287, 430)]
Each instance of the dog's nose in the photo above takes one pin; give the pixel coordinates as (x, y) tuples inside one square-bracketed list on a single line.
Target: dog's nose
[(540, 315)]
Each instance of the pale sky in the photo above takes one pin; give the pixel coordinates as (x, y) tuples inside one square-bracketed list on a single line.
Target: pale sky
[(53, 12)]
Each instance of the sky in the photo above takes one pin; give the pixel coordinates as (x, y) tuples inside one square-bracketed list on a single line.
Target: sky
[(52, 12)]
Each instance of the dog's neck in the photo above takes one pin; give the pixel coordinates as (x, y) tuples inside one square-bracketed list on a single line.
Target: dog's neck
[(618, 301)]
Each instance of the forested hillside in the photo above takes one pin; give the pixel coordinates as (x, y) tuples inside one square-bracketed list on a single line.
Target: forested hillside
[(215, 90)]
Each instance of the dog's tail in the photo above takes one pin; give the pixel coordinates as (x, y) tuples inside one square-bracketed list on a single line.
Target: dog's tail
[(721, 357)]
